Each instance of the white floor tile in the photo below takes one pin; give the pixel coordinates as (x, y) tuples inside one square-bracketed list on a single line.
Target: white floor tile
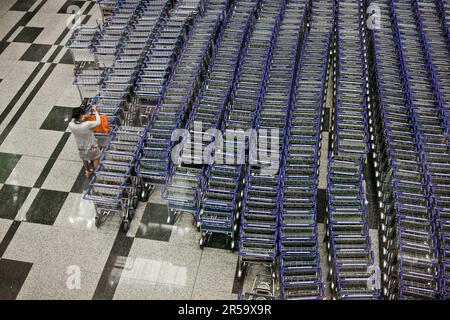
[(27, 171), (59, 282), (4, 226), (62, 176), (39, 143), (78, 213)]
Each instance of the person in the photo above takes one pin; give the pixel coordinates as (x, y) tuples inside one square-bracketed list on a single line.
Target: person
[(84, 137)]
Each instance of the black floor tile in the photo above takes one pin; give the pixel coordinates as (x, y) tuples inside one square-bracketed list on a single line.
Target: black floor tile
[(8, 161), (12, 276), (218, 241), (36, 52), (4, 243), (12, 199), (321, 205), (51, 162), (113, 269), (371, 193), (69, 5), (326, 120), (3, 46), (23, 5), (46, 206), (81, 183), (122, 245), (28, 34), (238, 283), (154, 224), (67, 58), (58, 119)]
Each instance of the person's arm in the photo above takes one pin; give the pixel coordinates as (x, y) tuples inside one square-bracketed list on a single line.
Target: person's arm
[(93, 124)]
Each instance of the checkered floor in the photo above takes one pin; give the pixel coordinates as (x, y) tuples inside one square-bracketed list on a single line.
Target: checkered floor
[(47, 232)]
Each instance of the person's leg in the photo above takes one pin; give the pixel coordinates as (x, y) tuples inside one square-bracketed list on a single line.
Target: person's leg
[(87, 169), (96, 163), (86, 165)]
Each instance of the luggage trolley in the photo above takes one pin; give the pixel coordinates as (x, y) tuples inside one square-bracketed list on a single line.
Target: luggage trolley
[(350, 255), (113, 32), (433, 17), (300, 271), (425, 102), (351, 260), (107, 7), (88, 77), (410, 265), (113, 188), (263, 288), (259, 222), (223, 189), (259, 219), (178, 95), (81, 43), (163, 53), (181, 188), (210, 105), (220, 202), (157, 71)]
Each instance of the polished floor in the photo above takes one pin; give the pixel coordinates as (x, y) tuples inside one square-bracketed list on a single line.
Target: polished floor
[(49, 245)]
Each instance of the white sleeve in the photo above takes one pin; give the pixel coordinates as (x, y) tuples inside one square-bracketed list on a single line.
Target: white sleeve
[(93, 124)]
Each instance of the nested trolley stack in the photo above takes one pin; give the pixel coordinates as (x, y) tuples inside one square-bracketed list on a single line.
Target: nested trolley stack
[(113, 95), (208, 109), (155, 159), (409, 257), (240, 116), (258, 242), (428, 112), (350, 256), (242, 108), (88, 75), (114, 188), (160, 59), (438, 47), (150, 91), (182, 189), (222, 191), (263, 288), (220, 202), (300, 271), (160, 66)]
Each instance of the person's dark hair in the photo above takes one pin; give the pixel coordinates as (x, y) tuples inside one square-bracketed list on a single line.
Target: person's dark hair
[(76, 113)]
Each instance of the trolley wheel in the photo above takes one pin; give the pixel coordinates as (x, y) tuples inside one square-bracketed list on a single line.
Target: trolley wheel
[(201, 242), (130, 213), (241, 270), (144, 194), (139, 190), (101, 217), (135, 201), (126, 225), (198, 226), (97, 221)]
